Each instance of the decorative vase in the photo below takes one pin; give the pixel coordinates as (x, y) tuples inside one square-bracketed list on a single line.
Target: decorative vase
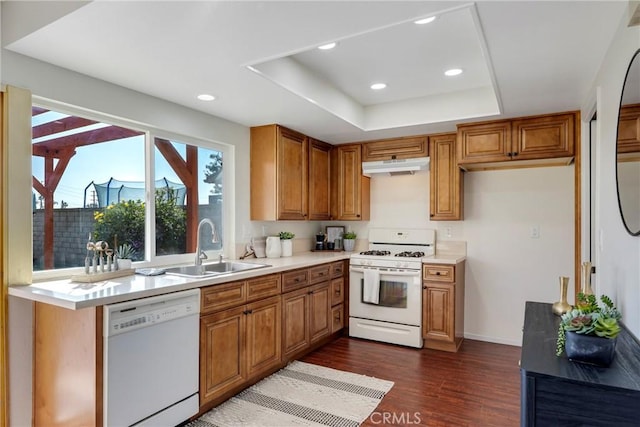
[(274, 248), (287, 247), (349, 244), (562, 306), (586, 278), (590, 349)]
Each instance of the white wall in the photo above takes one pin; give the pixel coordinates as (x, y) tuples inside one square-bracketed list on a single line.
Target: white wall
[(505, 267), (618, 267)]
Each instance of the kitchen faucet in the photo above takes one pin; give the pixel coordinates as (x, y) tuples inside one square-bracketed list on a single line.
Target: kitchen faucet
[(200, 255)]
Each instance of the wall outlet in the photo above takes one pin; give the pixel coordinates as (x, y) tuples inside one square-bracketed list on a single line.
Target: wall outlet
[(535, 232), (447, 231)]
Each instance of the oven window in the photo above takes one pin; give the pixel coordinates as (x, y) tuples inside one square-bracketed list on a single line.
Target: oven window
[(392, 294)]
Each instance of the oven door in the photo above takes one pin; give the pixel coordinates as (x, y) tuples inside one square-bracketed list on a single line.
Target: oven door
[(400, 296)]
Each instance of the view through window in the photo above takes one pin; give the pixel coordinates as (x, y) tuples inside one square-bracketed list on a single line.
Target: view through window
[(89, 184)]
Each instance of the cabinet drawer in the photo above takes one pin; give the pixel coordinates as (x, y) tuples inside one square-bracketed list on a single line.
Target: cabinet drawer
[(294, 280), (319, 274), (262, 287), (337, 269), (218, 297), (337, 291), (438, 273), (399, 148)]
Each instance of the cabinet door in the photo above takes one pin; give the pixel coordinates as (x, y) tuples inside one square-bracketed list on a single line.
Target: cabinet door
[(445, 179), (295, 325), (398, 148), (264, 333), (487, 142), (438, 305), (337, 291), (320, 311), (319, 172), (351, 191), (543, 137), (221, 348), (337, 318), (292, 175)]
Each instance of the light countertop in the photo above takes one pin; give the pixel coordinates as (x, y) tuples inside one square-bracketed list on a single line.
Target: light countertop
[(73, 295)]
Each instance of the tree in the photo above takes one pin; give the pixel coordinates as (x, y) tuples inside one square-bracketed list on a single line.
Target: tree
[(126, 220), (213, 173)]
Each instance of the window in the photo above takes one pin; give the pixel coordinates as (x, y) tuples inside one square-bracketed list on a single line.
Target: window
[(99, 181)]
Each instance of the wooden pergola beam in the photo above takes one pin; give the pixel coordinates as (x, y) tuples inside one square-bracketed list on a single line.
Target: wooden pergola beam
[(61, 125), (187, 171), (55, 147)]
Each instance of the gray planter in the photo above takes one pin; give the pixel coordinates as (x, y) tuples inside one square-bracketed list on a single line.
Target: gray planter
[(349, 244)]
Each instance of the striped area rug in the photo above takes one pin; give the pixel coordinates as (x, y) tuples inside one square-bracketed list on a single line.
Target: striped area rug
[(301, 394)]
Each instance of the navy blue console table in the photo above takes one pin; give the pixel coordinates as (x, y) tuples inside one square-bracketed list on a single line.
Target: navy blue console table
[(558, 392)]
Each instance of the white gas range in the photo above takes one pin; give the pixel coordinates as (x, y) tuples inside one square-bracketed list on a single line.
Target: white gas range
[(385, 286)]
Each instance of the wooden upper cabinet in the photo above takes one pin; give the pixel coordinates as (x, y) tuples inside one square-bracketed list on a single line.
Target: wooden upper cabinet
[(533, 139), (446, 181), (487, 142), (319, 180), (279, 174), (397, 148), (629, 129), (543, 137), (349, 189)]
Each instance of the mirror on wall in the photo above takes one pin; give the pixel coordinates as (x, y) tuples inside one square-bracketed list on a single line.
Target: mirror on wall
[(628, 149)]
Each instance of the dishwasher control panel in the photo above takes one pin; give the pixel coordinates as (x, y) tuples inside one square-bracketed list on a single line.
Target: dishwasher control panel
[(132, 315)]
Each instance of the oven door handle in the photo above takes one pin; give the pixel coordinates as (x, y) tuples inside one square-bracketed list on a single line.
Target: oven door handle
[(386, 271)]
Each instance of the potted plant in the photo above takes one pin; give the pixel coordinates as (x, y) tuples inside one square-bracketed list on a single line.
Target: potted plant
[(287, 244), (588, 332), (349, 239), (125, 253)]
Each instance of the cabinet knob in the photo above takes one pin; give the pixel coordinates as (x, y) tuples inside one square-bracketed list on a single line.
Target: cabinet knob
[(514, 154), (437, 273), (358, 215), (424, 287), (309, 293), (509, 154)]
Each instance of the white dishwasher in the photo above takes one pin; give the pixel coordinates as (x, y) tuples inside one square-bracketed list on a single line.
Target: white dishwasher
[(151, 360)]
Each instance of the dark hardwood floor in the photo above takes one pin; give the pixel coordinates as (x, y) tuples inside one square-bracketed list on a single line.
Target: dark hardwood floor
[(478, 386)]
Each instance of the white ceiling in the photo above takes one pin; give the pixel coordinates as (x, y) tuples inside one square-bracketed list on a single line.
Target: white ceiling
[(519, 57)]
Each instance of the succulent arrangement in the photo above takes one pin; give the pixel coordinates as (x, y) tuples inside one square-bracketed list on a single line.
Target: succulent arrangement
[(286, 235), (125, 251), (349, 235), (589, 318)]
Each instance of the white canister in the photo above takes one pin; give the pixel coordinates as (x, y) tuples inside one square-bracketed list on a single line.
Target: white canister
[(287, 247), (274, 248)]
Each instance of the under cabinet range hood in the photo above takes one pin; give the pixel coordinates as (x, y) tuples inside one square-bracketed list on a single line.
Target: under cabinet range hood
[(396, 166)]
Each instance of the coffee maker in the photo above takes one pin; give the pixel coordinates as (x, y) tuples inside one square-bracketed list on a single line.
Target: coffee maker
[(319, 241)]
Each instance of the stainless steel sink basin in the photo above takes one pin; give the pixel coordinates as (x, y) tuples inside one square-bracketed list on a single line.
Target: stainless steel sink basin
[(215, 269)]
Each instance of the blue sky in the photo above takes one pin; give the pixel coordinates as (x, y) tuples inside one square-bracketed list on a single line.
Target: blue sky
[(121, 159)]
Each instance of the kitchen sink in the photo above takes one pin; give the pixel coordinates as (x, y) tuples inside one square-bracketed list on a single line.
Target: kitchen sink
[(216, 269)]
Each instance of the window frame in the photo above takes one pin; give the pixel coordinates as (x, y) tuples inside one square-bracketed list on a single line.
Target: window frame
[(150, 133)]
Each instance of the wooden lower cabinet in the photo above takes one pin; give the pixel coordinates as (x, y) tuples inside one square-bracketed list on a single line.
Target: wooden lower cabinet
[(306, 318), (237, 344), (443, 306)]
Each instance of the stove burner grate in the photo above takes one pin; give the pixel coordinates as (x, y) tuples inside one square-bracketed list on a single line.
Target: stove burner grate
[(376, 253), (409, 254)]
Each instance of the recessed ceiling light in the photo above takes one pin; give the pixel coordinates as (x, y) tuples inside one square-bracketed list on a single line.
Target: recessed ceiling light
[(453, 72), (206, 97), (327, 46), (378, 86), (425, 20)]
